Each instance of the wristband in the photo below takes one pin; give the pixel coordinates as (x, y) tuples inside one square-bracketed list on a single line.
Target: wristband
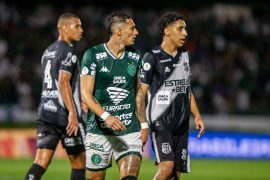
[(104, 115), (144, 125)]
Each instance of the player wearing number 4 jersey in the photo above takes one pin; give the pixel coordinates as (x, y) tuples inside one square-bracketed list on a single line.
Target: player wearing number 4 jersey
[(166, 82), (110, 86), (60, 109)]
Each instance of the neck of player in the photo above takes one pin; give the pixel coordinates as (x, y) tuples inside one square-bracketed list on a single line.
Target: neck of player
[(169, 48), (116, 47)]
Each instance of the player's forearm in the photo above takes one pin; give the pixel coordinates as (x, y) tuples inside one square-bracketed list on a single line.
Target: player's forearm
[(87, 89), (140, 106), (92, 103), (194, 108), (66, 94)]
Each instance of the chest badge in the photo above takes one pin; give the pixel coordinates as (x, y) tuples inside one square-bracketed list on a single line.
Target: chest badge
[(131, 69)]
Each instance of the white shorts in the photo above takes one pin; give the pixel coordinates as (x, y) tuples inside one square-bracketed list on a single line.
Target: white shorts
[(99, 149)]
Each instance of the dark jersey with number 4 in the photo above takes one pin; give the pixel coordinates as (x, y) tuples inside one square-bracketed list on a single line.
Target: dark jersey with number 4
[(168, 77), (58, 57)]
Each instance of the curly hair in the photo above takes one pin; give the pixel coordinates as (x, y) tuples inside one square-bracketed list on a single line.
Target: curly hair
[(113, 18), (168, 19)]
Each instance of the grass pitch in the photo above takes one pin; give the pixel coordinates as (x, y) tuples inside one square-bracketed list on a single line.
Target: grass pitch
[(200, 169)]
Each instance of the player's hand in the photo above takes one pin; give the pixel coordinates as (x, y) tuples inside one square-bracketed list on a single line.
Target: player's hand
[(84, 107), (144, 135), (114, 123), (72, 127), (199, 125)]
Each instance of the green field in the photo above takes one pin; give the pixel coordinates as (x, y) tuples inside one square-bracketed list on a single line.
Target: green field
[(201, 170)]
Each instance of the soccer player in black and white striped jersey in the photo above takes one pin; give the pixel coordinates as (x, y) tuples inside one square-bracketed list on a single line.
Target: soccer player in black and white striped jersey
[(165, 81)]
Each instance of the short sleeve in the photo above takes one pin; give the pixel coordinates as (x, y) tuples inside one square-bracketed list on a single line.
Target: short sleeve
[(89, 64), (148, 64)]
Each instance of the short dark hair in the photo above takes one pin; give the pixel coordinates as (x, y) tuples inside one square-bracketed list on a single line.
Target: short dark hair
[(168, 19), (113, 18), (64, 17)]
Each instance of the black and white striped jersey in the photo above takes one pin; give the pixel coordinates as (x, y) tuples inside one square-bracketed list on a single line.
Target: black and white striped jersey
[(58, 57), (168, 98)]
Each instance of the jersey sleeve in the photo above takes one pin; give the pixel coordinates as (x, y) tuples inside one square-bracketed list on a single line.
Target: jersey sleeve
[(68, 60), (148, 64), (89, 64)]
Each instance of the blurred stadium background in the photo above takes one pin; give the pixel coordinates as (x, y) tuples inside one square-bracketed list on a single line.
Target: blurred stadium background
[(229, 42)]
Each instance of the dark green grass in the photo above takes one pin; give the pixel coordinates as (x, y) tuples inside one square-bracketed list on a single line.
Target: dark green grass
[(201, 170)]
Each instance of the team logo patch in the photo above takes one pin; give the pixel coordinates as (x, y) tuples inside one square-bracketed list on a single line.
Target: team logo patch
[(146, 66), (96, 159), (131, 70), (85, 71), (166, 148), (74, 59)]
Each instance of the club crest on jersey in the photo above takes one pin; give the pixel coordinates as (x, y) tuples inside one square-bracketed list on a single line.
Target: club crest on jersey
[(131, 69), (166, 148), (117, 94)]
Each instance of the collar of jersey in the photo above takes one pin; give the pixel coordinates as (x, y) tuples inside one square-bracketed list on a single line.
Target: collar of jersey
[(108, 51)]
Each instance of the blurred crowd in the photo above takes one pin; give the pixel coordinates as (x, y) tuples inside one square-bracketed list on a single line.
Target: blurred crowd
[(229, 47)]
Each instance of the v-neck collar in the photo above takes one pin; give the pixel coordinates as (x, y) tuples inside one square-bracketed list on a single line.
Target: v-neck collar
[(111, 54)]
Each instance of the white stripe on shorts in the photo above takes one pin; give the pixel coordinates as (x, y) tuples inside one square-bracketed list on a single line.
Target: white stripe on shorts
[(155, 147)]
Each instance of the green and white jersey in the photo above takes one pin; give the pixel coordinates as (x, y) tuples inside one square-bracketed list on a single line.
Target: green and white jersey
[(115, 87)]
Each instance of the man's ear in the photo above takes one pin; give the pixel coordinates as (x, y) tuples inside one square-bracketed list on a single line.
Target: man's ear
[(166, 31), (118, 31)]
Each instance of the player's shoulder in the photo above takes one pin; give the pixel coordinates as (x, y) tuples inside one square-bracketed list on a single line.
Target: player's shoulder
[(152, 53), (95, 49)]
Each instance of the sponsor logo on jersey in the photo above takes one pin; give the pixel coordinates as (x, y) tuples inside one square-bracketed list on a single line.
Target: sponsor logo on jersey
[(166, 148), (163, 97), (50, 106), (49, 94), (119, 79), (131, 69), (117, 94), (146, 66), (49, 54), (116, 108), (134, 56), (165, 60), (68, 60), (85, 70), (156, 51), (179, 86), (104, 69), (167, 69), (124, 118), (101, 56), (176, 65)]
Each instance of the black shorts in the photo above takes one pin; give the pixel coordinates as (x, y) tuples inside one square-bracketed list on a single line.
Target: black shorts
[(48, 136), (170, 147)]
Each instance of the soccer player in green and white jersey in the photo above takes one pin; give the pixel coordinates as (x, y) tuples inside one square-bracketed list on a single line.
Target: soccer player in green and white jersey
[(111, 88)]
